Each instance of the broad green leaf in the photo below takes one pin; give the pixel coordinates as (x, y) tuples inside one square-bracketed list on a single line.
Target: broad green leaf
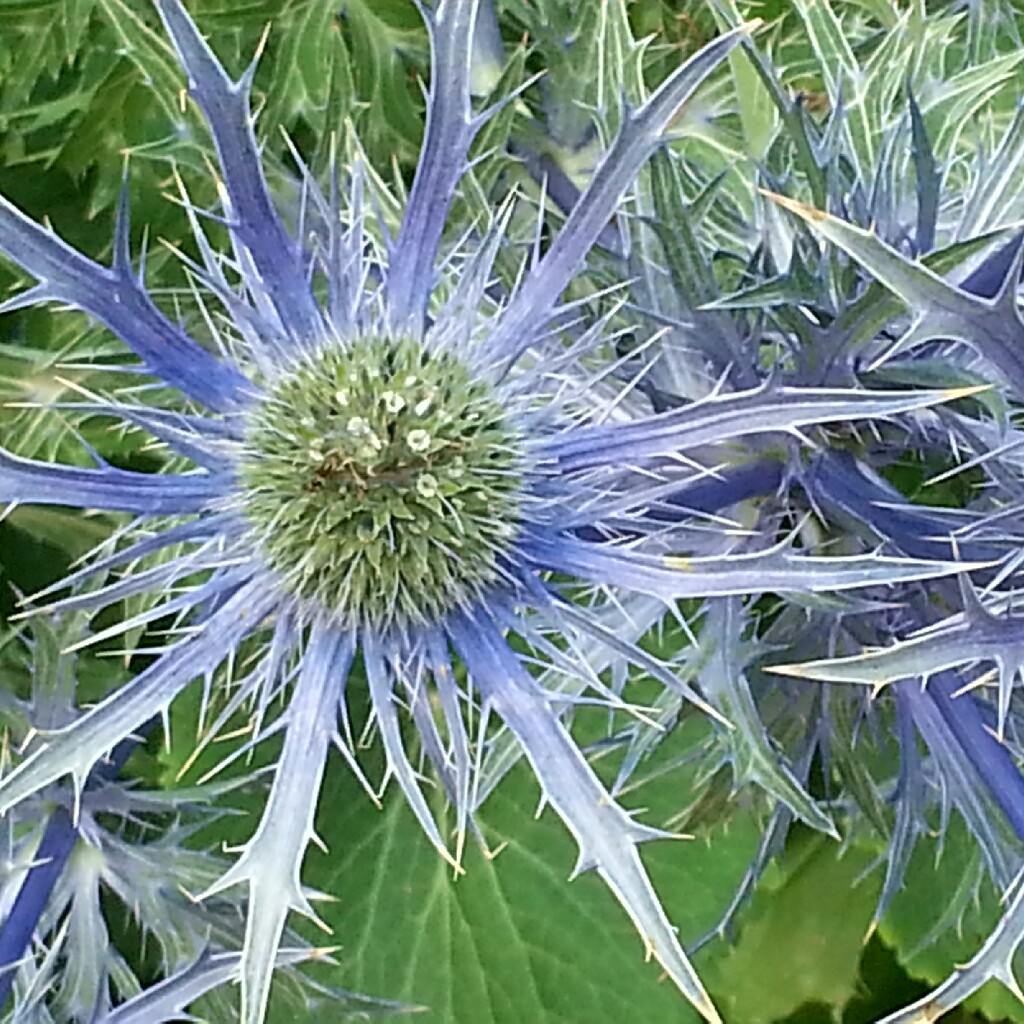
[(802, 938), (512, 940)]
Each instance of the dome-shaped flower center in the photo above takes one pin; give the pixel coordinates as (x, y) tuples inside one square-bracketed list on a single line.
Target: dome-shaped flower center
[(382, 481)]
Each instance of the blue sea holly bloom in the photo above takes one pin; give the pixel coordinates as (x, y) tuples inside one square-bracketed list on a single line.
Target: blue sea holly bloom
[(398, 470), (882, 245)]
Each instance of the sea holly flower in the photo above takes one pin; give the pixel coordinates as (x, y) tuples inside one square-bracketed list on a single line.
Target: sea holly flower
[(753, 287), (899, 263), (396, 472)]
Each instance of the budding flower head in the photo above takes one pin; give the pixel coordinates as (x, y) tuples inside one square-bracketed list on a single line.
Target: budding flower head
[(394, 504)]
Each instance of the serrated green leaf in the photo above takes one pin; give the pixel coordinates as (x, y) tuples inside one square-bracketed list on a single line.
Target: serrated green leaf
[(149, 52), (512, 940), (844, 79), (303, 65)]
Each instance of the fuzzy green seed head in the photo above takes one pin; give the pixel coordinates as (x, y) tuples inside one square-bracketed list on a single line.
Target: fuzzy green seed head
[(383, 482)]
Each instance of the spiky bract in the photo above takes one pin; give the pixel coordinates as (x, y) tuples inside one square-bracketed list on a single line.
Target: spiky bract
[(375, 479)]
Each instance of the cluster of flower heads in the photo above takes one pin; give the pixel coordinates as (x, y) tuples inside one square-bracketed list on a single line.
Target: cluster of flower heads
[(396, 463)]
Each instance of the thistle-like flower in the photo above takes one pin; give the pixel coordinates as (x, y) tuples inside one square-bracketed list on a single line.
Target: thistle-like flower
[(401, 471), (886, 180)]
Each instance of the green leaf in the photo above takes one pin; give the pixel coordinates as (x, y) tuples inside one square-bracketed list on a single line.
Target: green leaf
[(68, 531), (844, 79), (512, 940), (759, 116), (150, 52), (391, 120), (802, 938)]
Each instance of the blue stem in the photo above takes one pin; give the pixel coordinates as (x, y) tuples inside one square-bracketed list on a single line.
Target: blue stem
[(17, 931), (990, 758)]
